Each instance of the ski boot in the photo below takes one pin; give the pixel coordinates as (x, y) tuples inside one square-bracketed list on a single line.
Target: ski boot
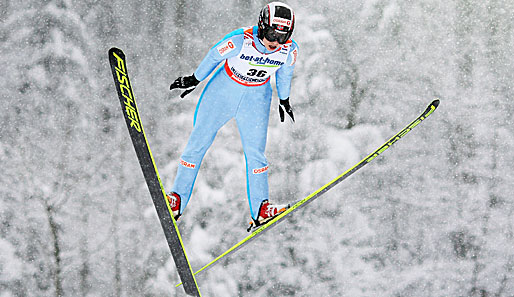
[(267, 212), (174, 201)]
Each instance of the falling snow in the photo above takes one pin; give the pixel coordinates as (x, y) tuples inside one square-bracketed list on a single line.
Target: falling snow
[(431, 217)]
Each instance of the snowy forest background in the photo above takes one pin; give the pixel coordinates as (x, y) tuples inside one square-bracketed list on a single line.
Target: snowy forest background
[(433, 216)]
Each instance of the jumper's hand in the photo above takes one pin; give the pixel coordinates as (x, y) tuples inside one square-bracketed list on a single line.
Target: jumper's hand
[(186, 82), (285, 106)]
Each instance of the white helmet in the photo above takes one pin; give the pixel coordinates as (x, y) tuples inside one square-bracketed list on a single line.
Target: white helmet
[(276, 22)]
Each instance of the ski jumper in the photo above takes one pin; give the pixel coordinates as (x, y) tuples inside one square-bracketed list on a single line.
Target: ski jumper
[(239, 89)]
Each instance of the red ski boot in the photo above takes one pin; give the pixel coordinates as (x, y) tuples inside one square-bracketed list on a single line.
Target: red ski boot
[(267, 212), (174, 201)]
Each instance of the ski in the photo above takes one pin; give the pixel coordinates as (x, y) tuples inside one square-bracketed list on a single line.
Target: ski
[(301, 203), (140, 142)]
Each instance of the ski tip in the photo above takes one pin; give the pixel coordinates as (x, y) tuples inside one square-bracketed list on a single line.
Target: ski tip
[(435, 103), (115, 50)]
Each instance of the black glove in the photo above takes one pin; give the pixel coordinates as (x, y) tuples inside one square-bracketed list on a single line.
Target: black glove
[(186, 82), (284, 105)]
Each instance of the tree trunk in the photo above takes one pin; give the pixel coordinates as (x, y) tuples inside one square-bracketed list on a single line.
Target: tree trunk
[(54, 230)]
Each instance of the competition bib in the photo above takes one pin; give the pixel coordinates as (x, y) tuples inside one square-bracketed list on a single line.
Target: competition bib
[(253, 68)]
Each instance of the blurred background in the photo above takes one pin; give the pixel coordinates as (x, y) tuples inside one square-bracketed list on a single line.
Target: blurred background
[(432, 216)]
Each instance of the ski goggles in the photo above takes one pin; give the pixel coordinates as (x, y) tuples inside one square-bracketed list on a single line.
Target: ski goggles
[(273, 35)]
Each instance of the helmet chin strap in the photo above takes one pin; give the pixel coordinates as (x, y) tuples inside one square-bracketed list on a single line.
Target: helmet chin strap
[(272, 50), (262, 42)]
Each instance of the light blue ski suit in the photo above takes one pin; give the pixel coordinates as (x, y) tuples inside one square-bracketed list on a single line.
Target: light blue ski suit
[(245, 96)]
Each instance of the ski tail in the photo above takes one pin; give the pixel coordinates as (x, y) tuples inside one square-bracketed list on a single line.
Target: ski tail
[(301, 203), (142, 148)]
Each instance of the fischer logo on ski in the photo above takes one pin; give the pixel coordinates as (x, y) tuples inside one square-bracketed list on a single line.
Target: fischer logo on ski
[(126, 92)]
